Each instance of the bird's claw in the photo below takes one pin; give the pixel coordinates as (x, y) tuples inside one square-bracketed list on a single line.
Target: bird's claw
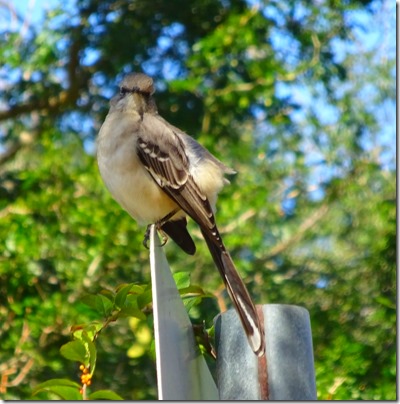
[(164, 237), (147, 236)]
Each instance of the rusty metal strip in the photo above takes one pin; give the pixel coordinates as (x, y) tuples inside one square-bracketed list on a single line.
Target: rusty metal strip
[(262, 363)]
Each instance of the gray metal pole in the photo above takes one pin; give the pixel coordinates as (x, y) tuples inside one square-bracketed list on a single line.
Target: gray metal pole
[(182, 372), (286, 372)]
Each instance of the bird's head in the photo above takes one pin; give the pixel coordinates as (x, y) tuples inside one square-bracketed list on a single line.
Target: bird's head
[(135, 94)]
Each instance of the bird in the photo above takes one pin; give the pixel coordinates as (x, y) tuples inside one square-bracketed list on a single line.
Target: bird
[(160, 175)]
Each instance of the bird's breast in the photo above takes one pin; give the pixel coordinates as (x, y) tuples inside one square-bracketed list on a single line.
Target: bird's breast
[(128, 181)]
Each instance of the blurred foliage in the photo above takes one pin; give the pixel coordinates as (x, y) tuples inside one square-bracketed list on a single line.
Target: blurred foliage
[(297, 96)]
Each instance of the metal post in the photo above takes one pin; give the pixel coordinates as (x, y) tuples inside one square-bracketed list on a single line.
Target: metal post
[(286, 372), (182, 372)]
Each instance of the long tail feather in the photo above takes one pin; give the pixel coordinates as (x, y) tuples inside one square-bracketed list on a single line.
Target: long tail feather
[(238, 293)]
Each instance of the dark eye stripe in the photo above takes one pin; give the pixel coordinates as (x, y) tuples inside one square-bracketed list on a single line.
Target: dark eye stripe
[(135, 89), (124, 91)]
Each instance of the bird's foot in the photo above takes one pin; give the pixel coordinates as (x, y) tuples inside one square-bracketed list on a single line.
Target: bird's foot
[(159, 225), (146, 237), (164, 237)]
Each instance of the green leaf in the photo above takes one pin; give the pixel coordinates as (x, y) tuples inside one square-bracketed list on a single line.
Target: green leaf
[(138, 289), (105, 305), (131, 308), (92, 329), (120, 297), (145, 298), (74, 351), (102, 304), (91, 347), (385, 301), (182, 279), (189, 303), (194, 290), (108, 294), (104, 395), (132, 312), (64, 388), (58, 382)]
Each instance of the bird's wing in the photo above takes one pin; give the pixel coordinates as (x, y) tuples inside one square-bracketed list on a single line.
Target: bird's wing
[(162, 152)]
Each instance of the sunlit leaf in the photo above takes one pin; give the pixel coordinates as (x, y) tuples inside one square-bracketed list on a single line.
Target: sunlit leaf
[(75, 351), (104, 395), (65, 389)]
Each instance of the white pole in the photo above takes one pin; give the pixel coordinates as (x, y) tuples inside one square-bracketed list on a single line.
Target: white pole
[(182, 372)]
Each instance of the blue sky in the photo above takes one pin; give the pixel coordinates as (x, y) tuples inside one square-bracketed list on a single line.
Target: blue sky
[(380, 36)]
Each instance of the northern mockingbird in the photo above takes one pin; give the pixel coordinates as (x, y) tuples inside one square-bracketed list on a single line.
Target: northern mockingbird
[(159, 175)]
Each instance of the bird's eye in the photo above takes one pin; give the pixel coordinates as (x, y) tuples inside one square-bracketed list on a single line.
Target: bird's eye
[(123, 91)]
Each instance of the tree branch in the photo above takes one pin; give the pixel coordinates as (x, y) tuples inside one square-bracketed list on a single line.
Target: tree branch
[(303, 228), (64, 98), (50, 105)]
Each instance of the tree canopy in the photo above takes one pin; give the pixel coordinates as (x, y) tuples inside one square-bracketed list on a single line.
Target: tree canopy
[(298, 97)]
